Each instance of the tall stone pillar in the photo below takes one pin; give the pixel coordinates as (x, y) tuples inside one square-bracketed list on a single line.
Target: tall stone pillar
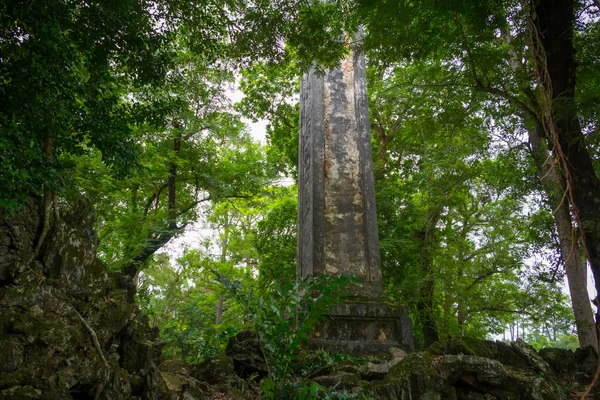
[(337, 222)]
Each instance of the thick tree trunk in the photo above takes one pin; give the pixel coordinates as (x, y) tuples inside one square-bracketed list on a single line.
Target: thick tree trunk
[(556, 68), (575, 264)]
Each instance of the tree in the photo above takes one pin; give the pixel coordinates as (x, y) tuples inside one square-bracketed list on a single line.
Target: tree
[(270, 92), (181, 301), (234, 222), (454, 232), (203, 153), (552, 30), (65, 70), (484, 44), (275, 238)]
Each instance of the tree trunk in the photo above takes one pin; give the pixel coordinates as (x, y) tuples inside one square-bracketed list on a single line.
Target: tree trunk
[(219, 317), (427, 289), (575, 264), (556, 69), (425, 307), (155, 243), (223, 260), (172, 206), (48, 195)]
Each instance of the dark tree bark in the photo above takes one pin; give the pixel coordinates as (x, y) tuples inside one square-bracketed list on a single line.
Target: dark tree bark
[(427, 289), (172, 206), (48, 195), (575, 264), (554, 54), (223, 260)]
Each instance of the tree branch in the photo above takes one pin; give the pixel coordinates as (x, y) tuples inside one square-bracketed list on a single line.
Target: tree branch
[(152, 198), (500, 309), (487, 88), (482, 277)]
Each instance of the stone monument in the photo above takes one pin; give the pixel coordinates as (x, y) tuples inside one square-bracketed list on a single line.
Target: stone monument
[(337, 222)]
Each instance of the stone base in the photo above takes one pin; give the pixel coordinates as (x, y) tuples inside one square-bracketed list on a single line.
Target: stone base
[(364, 326)]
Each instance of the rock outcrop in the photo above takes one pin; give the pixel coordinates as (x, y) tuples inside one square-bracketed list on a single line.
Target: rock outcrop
[(464, 368), (65, 333)]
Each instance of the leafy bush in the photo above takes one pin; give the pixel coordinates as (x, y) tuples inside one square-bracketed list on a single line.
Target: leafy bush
[(283, 322)]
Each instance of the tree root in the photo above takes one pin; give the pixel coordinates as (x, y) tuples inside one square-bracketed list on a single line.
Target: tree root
[(102, 384)]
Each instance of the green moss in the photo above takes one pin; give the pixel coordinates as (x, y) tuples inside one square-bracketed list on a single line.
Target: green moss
[(174, 382), (413, 364)]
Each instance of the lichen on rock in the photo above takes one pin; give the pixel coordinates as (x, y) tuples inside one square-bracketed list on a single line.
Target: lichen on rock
[(465, 368), (46, 349)]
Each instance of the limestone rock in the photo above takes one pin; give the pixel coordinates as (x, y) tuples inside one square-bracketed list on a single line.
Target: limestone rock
[(17, 236), (466, 376), (69, 253), (46, 351), (586, 360), (517, 354), (516, 371), (219, 378), (377, 369), (339, 380), (561, 360), (181, 384), (580, 365), (215, 370)]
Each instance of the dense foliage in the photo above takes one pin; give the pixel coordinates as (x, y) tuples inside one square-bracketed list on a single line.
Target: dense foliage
[(485, 147)]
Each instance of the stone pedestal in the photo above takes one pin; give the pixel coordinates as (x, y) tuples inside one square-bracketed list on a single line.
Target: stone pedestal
[(337, 223), (364, 326)]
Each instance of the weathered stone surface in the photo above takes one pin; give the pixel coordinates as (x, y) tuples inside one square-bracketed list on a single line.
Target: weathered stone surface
[(17, 236), (424, 376), (516, 354), (21, 392), (361, 326), (11, 356), (221, 379), (46, 352), (337, 217), (378, 369), (339, 380), (580, 365), (215, 370), (69, 253), (181, 384), (337, 226)]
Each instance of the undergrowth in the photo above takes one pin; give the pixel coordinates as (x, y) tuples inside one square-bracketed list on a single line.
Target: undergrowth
[(283, 322)]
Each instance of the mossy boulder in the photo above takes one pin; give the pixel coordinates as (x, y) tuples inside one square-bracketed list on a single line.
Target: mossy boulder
[(69, 253), (181, 384), (517, 354), (463, 376), (53, 309), (215, 370), (579, 366)]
